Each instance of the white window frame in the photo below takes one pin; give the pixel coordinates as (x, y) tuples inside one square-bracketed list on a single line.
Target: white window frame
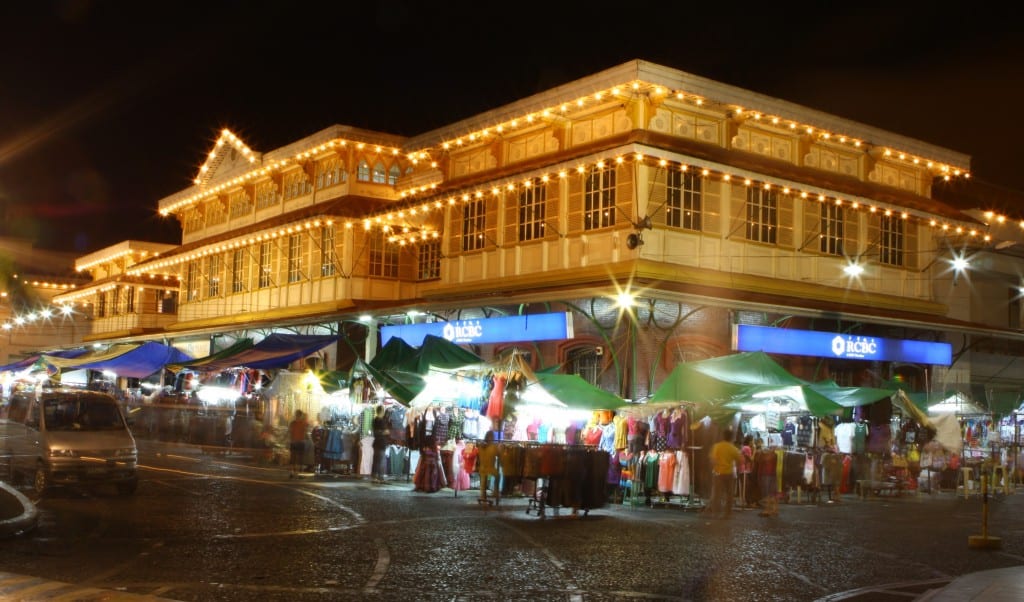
[(532, 211), (599, 198)]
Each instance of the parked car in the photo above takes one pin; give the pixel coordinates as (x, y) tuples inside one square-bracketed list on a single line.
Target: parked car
[(69, 437)]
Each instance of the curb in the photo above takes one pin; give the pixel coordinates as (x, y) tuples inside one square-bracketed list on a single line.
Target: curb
[(17, 513)]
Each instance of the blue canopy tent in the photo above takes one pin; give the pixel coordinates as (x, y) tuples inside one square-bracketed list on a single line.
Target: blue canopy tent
[(32, 359), (275, 351), (129, 360)]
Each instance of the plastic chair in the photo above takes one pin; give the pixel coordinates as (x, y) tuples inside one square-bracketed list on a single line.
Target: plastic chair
[(1001, 474)]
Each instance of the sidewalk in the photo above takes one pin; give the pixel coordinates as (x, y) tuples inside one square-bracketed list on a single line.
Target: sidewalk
[(17, 513), (997, 585)]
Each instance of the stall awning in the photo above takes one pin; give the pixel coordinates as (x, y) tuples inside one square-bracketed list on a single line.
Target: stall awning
[(396, 352), (128, 359), (275, 351), (404, 370), (724, 384), (438, 353), (197, 364), (32, 359), (578, 394)]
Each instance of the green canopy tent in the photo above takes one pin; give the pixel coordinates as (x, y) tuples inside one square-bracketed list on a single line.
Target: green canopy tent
[(437, 353), (394, 353), (403, 391), (405, 375), (576, 393), (722, 386), (853, 397), (798, 398), (711, 383)]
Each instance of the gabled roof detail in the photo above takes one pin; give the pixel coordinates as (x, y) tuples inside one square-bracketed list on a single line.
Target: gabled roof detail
[(221, 150)]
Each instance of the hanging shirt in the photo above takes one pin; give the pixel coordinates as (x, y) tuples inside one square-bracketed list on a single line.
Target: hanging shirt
[(860, 437), (844, 437)]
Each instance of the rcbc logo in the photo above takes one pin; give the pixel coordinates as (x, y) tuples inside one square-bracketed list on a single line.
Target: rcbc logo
[(462, 331), (858, 347)]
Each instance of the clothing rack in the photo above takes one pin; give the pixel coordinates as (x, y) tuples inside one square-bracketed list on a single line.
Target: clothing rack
[(690, 500), (564, 475)]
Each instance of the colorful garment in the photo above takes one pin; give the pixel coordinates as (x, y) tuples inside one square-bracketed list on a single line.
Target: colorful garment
[(429, 477), (666, 471), (681, 476), (461, 481)]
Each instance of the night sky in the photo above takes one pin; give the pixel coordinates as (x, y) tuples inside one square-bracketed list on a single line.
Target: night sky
[(107, 107)]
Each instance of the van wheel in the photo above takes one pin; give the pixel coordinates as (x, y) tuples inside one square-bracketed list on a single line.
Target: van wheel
[(41, 481), (128, 487)]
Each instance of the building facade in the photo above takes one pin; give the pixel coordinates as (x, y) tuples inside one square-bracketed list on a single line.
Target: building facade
[(659, 209)]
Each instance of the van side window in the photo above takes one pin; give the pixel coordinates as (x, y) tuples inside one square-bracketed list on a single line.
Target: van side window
[(32, 416), (18, 409)]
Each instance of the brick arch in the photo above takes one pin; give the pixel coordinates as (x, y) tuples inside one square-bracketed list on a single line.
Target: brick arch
[(604, 365), (701, 345), (501, 348), (563, 348)]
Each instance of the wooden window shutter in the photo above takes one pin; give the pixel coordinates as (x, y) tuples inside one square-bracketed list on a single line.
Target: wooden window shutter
[(552, 228), (910, 250), (851, 232), (656, 207), (455, 228), (873, 239), (737, 211), (811, 237), (786, 210), (711, 206), (491, 219), (361, 243), (511, 227), (408, 261), (625, 176), (575, 201)]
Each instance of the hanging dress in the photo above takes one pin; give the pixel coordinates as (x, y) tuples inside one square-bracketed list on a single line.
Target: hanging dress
[(461, 481), (666, 471), (429, 477), (496, 402), (681, 475)]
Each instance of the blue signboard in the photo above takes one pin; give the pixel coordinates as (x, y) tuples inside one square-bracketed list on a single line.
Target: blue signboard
[(841, 346), (508, 329)]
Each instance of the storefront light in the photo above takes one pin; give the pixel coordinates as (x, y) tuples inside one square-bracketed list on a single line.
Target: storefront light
[(853, 269)]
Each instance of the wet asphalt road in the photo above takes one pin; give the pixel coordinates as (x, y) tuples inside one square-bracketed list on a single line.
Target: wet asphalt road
[(205, 527)]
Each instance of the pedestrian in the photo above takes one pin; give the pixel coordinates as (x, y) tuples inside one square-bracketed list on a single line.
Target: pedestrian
[(380, 445), (297, 442), (725, 457), (746, 468), (489, 468)]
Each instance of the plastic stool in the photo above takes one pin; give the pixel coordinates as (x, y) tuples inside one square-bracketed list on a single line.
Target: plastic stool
[(966, 477), (1003, 477)]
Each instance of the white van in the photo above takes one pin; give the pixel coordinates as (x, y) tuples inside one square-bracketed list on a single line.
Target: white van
[(69, 437)]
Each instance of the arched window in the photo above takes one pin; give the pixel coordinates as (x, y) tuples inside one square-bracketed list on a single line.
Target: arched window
[(363, 172), (393, 175), (585, 362), (379, 174)]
